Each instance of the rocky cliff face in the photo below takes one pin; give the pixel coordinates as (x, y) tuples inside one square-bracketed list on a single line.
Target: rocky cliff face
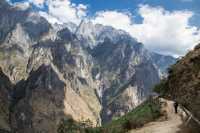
[(48, 99), (5, 100), (162, 63), (123, 66), (19, 31), (88, 71), (183, 84)]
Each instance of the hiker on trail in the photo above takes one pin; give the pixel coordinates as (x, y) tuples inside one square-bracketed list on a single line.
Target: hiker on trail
[(176, 107)]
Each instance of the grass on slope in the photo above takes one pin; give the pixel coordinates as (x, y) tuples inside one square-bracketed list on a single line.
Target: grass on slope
[(144, 113)]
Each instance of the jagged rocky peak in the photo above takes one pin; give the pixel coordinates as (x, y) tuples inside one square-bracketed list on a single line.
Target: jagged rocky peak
[(32, 23), (36, 26), (85, 28), (9, 18), (71, 26), (20, 30), (92, 34)]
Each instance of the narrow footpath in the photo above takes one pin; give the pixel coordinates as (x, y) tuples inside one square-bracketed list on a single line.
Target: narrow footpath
[(169, 123)]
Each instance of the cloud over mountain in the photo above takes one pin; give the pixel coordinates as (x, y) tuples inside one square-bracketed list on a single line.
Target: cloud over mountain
[(62, 11), (38, 3), (161, 31)]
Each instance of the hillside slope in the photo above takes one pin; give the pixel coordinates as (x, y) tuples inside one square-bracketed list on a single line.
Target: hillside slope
[(183, 83)]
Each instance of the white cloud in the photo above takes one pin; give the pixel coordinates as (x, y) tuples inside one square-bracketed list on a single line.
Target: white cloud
[(166, 32), (22, 6), (113, 18), (161, 31), (81, 10), (65, 11), (61, 11), (50, 18)]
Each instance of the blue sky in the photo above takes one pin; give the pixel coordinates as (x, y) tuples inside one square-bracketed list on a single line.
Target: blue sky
[(97, 5), (170, 27), (132, 5)]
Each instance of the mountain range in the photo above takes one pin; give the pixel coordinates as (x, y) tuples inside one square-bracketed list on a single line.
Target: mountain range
[(88, 71)]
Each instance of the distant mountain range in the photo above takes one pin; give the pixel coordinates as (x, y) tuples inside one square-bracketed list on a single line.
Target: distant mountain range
[(50, 72)]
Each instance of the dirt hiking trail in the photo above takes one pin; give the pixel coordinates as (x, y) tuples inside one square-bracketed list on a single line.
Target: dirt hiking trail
[(169, 123)]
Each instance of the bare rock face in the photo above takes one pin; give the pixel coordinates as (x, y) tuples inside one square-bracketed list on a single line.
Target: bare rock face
[(9, 18), (5, 89), (127, 74), (20, 29), (42, 103), (73, 65), (14, 54), (47, 101), (13, 42), (162, 63), (184, 81)]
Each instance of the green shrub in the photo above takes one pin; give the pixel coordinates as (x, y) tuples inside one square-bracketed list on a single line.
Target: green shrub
[(71, 126), (144, 113)]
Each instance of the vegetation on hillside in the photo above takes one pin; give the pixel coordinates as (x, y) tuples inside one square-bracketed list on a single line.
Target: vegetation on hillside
[(71, 126), (144, 113), (161, 88)]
